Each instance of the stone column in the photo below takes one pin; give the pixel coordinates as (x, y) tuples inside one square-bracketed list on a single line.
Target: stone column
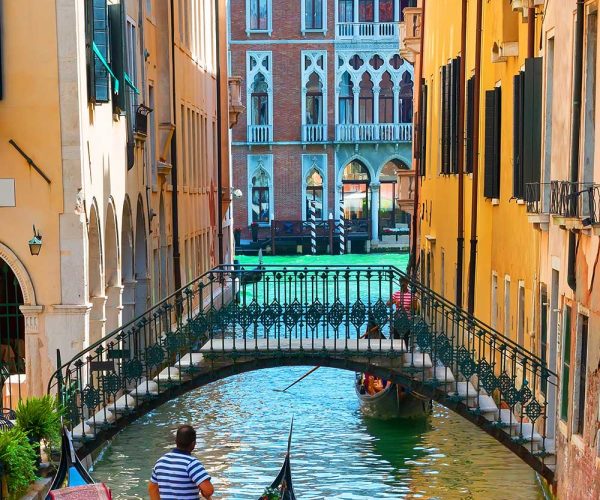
[(375, 211), (114, 307), (33, 382), (97, 319)]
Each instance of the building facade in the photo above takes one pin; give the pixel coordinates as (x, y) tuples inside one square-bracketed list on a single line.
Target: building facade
[(526, 262), (102, 108), (328, 107)]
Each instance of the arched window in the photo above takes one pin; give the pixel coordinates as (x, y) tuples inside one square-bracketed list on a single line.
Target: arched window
[(365, 99), (314, 100), (386, 99), (355, 192), (261, 211), (406, 98), (314, 193), (260, 100), (346, 99), (389, 210), (12, 323)]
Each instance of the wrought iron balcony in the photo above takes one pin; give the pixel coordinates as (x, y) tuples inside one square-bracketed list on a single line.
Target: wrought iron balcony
[(367, 31), (371, 132), (314, 133), (575, 199), (260, 134)]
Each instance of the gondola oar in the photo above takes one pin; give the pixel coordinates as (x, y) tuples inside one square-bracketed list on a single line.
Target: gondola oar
[(302, 377)]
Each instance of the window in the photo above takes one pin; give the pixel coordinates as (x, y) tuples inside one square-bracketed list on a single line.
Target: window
[(589, 142), (97, 35), (507, 306), (405, 100), (260, 101), (345, 11), (131, 65), (450, 104), (566, 366), (313, 14), (346, 99), (259, 15), (469, 119), (548, 119), (527, 129), (366, 11), (314, 100), (544, 333), (494, 311), (365, 99), (386, 99), (521, 322), (314, 193), (493, 111), (260, 198), (386, 11), (423, 132), (581, 379)]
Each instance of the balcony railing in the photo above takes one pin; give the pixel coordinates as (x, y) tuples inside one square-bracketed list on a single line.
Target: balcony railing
[(260, 133), (314, 133), (564, 199), (364, 31), (369, 132)]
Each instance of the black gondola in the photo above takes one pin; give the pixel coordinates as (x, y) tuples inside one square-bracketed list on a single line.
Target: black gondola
[(71, 471), (283, 482)]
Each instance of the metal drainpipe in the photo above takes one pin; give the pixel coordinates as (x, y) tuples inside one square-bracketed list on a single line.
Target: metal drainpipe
[(219, 135), (475, 180), (174, 195), (460, 235), (575, 133), (412, 266), (530, 32)]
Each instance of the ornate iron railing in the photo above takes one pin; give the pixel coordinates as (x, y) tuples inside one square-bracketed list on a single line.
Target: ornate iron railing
[(291, 311), (575, 199)]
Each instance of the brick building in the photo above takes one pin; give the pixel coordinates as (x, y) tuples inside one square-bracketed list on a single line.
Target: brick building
[(328, 111)]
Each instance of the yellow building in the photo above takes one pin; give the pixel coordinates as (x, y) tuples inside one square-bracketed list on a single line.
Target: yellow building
[(102, 107)]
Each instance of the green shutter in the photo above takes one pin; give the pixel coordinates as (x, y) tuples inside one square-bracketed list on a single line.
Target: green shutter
[(532, 121), (117, 51), (490, 117), (423, 106), (470, 118), (518, 187), (566, 368), (454, 107)]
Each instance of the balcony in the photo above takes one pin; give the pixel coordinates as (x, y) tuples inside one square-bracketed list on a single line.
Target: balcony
[(367, 31), (314, 133), (410, 34), (374, 132), (235, 99), (260, 134)]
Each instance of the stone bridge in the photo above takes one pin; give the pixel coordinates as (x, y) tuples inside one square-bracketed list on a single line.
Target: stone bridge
[(233, 320)]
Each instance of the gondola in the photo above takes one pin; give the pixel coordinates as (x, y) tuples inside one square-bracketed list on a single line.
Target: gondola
[(71, 471), (283, 482), (254, 275)]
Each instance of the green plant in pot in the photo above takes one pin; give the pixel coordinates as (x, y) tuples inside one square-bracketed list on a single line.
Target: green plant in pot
[(40, 419), (18, 461)]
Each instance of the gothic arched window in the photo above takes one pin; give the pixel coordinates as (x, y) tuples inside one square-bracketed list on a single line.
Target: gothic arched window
[(406, 98), (346, 99), (386, 99), (260, 100), (314, 193), (314, 100), (365, 99), (261, 211)]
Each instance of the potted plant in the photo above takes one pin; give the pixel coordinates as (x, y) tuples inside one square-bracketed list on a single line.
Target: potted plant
[(237, 235), (17, 460), (254, 231), (39, 418)]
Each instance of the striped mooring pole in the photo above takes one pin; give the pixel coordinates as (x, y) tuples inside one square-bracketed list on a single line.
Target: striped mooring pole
[(313, 228), (342, 229)]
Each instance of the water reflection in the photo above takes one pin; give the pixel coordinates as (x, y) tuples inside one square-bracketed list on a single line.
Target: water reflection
[(242, 429)]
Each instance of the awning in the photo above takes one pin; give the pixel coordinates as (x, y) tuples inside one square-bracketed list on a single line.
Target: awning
[(130, 84), (105, 64)]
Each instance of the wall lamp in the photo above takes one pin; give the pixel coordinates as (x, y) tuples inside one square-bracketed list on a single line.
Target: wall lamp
[(35, 243), (237, 193)]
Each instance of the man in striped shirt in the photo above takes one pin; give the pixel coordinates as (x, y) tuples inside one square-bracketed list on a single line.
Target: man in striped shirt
[(178, 475)]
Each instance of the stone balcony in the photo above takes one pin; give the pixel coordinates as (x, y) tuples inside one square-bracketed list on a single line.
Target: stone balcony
[(367, 31), (410, 33), (374, 132)]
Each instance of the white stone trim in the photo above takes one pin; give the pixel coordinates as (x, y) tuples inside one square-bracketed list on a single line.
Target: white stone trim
[(254, 164), (17, 267), (313, 56), (259, 57), (319, 163)]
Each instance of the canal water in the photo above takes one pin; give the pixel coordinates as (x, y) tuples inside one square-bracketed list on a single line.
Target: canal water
[(243, 423)]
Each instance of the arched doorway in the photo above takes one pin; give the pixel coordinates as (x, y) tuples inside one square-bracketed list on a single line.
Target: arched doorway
[(12, 324), (355, 191), (314, 193), (127, 277), (141, 262), (390, 213), (161, 279), (96, 295), (112, 279)]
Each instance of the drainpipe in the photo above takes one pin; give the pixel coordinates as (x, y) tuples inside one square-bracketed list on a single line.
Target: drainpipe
[(174, 195), (460, 236), (412, 266), (530, 32), (219, 134), (575, 133), (475, 183)]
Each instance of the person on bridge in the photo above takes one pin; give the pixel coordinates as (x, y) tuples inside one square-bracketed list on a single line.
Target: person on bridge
[(405, 302), (178, 475)]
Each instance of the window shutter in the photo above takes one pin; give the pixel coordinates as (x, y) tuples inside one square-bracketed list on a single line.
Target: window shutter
[(490, 126), (532, 122), (455, 103), (497, 139), (470, 111), (97, 32), (1, 70), (446, 120), (517, 137), (116, 13), (423, 107)]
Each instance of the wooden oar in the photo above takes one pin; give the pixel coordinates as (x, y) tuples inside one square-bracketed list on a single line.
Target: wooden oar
[(302, 377)]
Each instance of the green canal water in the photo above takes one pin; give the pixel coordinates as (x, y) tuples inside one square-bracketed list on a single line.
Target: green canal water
[(243, 423)]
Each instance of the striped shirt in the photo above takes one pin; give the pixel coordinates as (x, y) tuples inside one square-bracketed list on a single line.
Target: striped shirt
[(178, 475), (403, 300)]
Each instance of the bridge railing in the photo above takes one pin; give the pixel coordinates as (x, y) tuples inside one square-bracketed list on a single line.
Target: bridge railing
[(294, 310)]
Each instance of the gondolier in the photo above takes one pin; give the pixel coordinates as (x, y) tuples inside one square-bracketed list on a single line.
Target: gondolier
[(406, 303), (178, 475)]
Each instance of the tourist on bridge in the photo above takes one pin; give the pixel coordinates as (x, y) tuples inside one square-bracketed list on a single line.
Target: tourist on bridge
[(178, 475), (405, 302)]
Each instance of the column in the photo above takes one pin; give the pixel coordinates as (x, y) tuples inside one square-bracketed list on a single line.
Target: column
[(114, 307), (32, 383), (97, 319), (128, 300), (374, 211)]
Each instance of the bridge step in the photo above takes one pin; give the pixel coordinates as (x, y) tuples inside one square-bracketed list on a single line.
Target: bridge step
[(122, 405), (146, 389), (101, 418), (462, 390), (485, 403), (82, 432), (267, 345), (503, 416), (443, 375), (417, 360)]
